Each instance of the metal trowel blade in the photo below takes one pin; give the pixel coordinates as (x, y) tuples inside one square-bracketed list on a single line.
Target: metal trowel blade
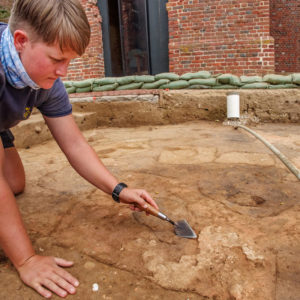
[(183, 229)]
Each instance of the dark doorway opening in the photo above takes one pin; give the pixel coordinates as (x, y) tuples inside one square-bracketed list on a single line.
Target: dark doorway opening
[(115, 39), (135, 36)]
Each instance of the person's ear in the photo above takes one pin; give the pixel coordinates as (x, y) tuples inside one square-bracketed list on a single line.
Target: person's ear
[(20, 40)]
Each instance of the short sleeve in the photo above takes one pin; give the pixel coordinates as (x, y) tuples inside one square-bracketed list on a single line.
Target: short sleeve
[(56, 103)]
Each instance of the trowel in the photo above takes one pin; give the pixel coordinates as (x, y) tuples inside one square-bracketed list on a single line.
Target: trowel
[(181, 227)]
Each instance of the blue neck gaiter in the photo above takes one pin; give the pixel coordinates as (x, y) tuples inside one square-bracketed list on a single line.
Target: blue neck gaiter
[(14, 70)]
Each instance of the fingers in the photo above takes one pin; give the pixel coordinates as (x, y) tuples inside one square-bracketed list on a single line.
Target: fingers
[(42, 291), (54, 287), (70, 280), (59, 284), (56, 284), (134, 207), (62, 262), (43, 273), (140, 197), (148, 199)]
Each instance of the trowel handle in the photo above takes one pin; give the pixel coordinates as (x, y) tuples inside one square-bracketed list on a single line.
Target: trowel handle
[(150, 210), (154, 212)]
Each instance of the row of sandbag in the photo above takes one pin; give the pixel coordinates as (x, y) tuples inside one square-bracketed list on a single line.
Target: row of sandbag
[(198, 80)]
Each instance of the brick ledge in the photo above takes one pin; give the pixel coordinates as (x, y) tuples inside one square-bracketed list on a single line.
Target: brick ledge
[(115, 93)]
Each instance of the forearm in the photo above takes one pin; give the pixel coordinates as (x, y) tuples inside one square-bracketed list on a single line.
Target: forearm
[(13, 237), (79, 153), (85, 161)]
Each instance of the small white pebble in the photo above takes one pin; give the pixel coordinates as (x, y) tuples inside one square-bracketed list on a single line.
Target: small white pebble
[(95, 287)]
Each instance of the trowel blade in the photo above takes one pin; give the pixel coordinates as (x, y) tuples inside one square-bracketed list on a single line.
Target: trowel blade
[(183, 229)]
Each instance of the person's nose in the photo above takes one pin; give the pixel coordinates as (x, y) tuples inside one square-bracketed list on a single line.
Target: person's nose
[(62, 69)]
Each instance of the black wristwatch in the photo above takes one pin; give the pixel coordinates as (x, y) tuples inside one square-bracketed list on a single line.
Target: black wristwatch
[(117, 190)]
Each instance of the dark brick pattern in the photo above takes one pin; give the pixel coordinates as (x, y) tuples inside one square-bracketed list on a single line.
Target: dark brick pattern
[(243, 37), (91, 64), (285, 28), (220, 36)]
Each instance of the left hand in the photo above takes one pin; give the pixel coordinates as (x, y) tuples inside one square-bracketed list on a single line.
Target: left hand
[(45, 275), (136, 198)]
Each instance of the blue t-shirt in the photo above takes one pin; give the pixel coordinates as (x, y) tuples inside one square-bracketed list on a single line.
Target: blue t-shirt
[(17, 104)]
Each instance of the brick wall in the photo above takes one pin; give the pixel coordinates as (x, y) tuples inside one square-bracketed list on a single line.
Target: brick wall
[(5, 6), (240, 37), (285, 28), (91, 64), (220, 36), (6, 3)]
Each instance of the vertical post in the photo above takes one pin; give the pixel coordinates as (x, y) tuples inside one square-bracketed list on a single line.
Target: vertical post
[(233, 105)]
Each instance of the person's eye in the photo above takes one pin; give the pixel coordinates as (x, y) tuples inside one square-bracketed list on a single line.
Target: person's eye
[(56, 60)]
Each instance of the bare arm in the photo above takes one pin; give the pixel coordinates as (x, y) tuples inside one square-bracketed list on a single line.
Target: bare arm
[(86, 162), (13, 237), (79, 153), (36, 271)]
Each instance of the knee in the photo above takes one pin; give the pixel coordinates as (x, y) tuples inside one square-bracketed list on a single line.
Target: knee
[(18, 186), (13, 170)]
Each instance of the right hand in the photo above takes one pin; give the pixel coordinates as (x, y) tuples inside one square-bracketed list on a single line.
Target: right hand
[(137, 199), (43, 273)]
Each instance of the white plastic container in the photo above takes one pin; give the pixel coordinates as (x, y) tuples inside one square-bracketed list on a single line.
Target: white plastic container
[(233, 105)]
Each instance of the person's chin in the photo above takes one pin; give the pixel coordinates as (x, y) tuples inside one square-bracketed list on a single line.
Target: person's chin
[(47, 84)]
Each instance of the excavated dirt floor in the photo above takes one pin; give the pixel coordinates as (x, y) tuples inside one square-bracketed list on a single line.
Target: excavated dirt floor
[(242, 202)]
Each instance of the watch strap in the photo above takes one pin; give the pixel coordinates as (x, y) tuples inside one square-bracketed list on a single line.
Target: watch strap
[(117, 190)]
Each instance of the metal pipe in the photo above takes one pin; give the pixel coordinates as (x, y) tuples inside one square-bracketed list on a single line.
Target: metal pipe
[(290, 166)]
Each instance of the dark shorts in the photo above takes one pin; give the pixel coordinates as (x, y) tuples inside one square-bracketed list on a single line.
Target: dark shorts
[(7, 138)]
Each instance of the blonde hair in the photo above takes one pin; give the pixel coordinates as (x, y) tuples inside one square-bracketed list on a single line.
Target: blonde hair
[(53, 21)]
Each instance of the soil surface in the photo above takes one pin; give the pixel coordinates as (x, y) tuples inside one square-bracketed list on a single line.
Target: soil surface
[(241, 201)]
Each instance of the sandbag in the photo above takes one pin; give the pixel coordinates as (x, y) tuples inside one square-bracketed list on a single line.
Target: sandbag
[(277, 79), (296, 78), (250, 79), (84, 89), (170, 76), (208, 81), (131, 86), (106, 87), (144, 78), (224, 78), (199, 87), (125, 80), (235, 80), (106, 80), (256, 85), (229, 79), (175, 85), (284, 86), (68, 84), (71, 90), (83, 84), (200, 74), (224, 87), (155, 85), (216, 75)]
